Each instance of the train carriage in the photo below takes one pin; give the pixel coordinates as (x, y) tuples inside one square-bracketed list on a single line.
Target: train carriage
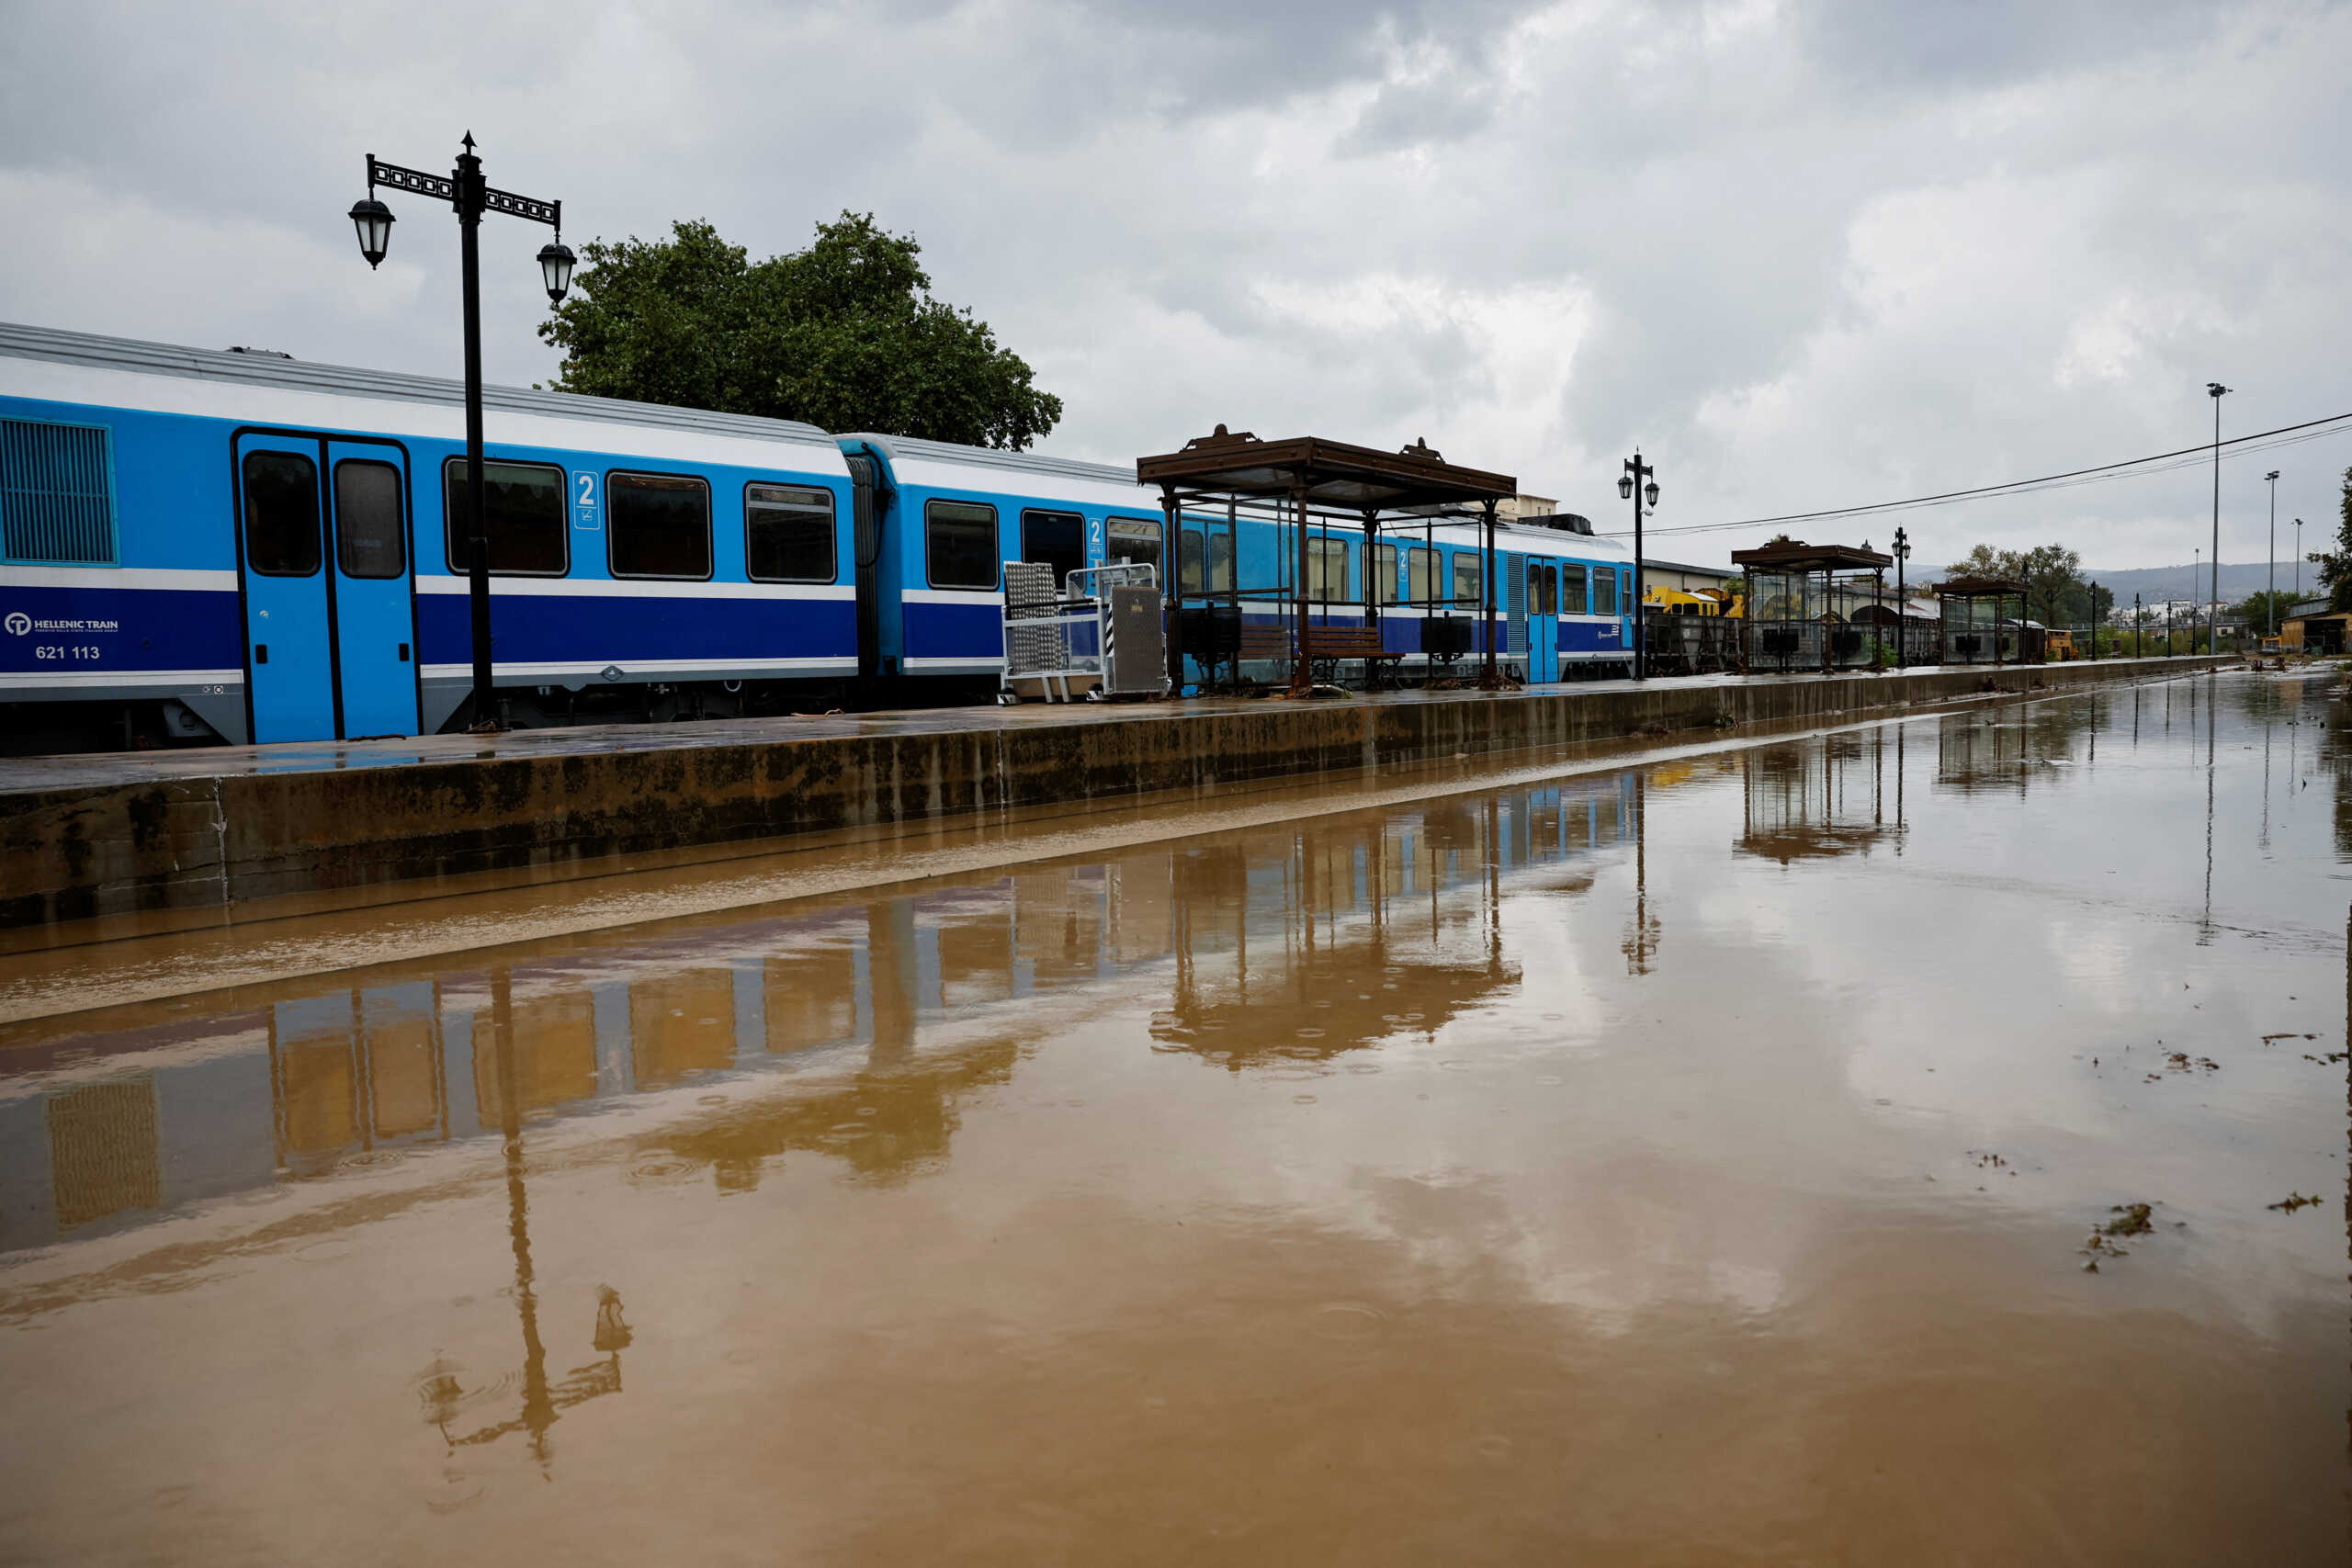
[(240, 546), (206, 546)]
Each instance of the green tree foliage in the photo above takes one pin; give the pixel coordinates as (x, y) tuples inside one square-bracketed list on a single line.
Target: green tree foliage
[(2264, 610), (844, 334), (2335, 565), (2057, 594)]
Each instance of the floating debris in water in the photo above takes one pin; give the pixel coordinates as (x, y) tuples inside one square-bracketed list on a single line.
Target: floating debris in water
[(2331, 1059), (2294, 1200), (2133, 1222)]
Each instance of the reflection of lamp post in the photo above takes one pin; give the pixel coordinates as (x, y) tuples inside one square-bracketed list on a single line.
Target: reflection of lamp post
[(1902, 603), (1632, 487), (464, 189)]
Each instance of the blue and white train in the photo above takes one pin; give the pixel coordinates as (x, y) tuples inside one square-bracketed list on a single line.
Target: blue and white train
[(200, 545)]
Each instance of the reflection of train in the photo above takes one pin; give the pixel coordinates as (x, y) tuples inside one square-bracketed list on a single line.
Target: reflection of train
[(114, 1128), (236, 545)]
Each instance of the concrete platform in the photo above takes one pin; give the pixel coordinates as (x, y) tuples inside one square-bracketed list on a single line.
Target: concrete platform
[(222, 828)]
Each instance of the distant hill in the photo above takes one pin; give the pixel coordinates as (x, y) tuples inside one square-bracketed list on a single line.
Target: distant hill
[(2153, 583)]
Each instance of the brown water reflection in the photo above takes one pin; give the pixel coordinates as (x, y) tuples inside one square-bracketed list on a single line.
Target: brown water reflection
[(1596, 1172)]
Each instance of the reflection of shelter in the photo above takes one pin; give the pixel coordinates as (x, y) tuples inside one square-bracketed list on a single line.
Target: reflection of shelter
[(1800, 598), (1821, 798), (1310, 488), (1978, 628)]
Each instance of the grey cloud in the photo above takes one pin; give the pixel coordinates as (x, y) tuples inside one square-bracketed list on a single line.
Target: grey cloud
[(1815, 253)]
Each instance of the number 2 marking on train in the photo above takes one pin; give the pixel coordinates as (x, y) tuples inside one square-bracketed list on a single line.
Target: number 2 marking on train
[(583, 511), (1094, 539)]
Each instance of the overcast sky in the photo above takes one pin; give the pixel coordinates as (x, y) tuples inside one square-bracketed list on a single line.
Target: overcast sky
[(1806, 254)]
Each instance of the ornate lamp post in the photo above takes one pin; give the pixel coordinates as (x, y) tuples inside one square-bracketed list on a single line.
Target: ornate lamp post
[(1902, 603), (1639, 484), (470, 197)]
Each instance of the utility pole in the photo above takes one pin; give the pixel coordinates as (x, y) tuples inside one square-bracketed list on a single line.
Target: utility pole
[(2216, 391), (2270, 589)]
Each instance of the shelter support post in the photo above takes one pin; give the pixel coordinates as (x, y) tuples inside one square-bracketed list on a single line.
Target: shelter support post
[(1489, 679)]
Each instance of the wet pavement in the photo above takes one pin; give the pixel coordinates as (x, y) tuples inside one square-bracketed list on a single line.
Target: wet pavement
[(1693, 1163), (91, 770)]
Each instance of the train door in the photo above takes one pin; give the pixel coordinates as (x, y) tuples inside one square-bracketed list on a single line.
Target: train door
[(1543, 621), (290, 617), (867, 543), (371, 606)]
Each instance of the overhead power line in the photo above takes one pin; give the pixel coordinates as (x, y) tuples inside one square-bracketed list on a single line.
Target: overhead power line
[(2160, 462)]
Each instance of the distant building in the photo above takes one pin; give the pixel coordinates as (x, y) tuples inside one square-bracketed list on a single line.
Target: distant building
[(2312, 628)]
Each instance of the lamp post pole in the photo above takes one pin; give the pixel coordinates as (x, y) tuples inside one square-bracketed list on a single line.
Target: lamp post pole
[(1902, 603), (469, 196), (2270, 589), (2216, 391), (2298, 558), (1639, 484)]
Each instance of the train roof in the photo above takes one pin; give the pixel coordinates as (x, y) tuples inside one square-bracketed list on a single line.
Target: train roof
[(914, 448), (263, 369)]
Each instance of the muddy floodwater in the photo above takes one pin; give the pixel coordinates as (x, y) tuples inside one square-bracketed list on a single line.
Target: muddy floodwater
[(1882, 1147)]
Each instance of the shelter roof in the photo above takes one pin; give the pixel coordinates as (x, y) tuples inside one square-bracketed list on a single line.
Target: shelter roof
[(1336, 474), (1795, 554), (1979, 587)]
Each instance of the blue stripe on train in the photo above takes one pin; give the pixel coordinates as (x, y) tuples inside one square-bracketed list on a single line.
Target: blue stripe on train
[(545, 630), (132, 630), (954, 631)]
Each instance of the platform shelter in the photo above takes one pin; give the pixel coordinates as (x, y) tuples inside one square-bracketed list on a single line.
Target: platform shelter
[(1310, 488), (1802, 604), (1977, 625)]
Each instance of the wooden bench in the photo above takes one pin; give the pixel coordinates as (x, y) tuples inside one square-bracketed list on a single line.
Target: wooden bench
[(1345, 642), (1265, 642)]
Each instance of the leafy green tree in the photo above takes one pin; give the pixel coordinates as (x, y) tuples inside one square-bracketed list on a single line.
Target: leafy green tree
[(2335, 565), (844, 335), (2264, 610), (2057, 594)]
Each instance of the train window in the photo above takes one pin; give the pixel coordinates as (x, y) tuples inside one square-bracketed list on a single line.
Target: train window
[(1057, 538), (527, 520), (56, 492), (1573, 601), (1326, 570), (1384, 573), (1469, 579), (1133, 539), (281, 513), (656, 525), (1604, 592), (1536, 573), (959, 540), (1221, 560), (1191, 560), (370, 535), (1420, 570), (787, 534)]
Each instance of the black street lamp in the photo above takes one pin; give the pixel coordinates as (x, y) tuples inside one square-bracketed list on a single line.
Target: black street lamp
[(1639, 484), (466, 193), (2216, 391), (1902, 603)]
